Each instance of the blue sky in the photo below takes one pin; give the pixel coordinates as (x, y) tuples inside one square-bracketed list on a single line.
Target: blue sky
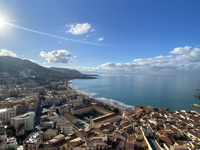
[(111, 36)]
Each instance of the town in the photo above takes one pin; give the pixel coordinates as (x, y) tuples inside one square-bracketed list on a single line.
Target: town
[(38, 114)]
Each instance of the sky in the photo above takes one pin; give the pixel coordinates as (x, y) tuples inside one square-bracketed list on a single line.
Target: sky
[(115, 36)]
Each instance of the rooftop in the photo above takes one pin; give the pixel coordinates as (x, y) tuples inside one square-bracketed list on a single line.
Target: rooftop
[(2, 110), (29, 114), (101, 118), (33, 138), (84, 106)]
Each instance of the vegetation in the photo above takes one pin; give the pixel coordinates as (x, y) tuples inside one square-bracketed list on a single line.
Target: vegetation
[(21, 138), (67, 91), (10, 131), (111, 108), (116, 110), (10, 149)]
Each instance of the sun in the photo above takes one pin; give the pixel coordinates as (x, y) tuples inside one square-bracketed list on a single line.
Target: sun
[(2, 22)]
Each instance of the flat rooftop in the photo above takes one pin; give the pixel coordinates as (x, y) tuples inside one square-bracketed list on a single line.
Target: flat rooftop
[(33, 138), (26, 115)]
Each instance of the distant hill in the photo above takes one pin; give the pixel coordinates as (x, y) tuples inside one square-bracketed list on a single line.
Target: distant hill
[(16, 67), (67, 71)]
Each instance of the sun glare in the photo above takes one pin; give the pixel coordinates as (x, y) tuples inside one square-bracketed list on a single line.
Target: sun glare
[(2, 22)]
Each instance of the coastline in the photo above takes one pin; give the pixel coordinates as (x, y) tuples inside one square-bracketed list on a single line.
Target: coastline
[(96, 100), (102, 101)]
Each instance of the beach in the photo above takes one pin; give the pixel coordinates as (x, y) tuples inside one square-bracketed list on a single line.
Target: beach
[(98, 101)]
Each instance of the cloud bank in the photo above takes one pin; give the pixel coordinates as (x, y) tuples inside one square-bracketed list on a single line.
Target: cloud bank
[(4, 52), (56, 56), (180, 59), (79, 29)]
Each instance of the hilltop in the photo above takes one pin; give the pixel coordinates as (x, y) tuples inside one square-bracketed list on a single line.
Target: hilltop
[(15, 67)]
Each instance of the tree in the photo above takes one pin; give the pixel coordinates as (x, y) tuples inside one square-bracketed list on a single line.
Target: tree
[(10, 131), (116, 110)]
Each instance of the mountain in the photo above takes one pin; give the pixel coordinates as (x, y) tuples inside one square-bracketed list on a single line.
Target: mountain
[(67, 71), (16, 67)]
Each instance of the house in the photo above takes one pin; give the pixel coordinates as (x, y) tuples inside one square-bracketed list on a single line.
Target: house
[(50, 133), (9, 143)]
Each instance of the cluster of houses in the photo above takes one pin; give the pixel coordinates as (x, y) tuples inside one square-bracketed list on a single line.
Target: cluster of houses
[(68, 121)]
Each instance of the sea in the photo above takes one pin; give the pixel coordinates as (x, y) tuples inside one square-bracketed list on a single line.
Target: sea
[(173, 92)]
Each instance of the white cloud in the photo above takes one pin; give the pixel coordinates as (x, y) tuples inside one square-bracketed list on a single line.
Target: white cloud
[(181, 50), (100, 39), (182, 59), (188, 59), (29, 60), (79, 28), (57, 56), (4, 52), (192, 55)]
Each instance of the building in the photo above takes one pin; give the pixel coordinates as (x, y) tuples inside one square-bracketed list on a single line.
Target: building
[(88, 108), (20, 109), (76, 102), (32, 142), (64, 108), (71, 118), (9, 143), (27, 119), (108, 118), (12, 103), (7, 114), (59, 142), (82, 109), (64, 126), (53, 116), (179, 147), (50, 133), (3, 134), (101, 110), (20, 130)]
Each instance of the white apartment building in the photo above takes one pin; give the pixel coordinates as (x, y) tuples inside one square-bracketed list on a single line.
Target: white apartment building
[(6, 114), (10, 143), (27, 119)]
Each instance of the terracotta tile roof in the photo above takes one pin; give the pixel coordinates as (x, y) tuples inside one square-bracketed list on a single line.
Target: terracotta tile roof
[(182, 147), (105, 117), (165, 139), (81, 107), (70, 117), (60, 136), (53, 140)]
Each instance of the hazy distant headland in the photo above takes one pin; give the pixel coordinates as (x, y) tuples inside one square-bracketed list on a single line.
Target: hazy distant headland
[(15, 67)]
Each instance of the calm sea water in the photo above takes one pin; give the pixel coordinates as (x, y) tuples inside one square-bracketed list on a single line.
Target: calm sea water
[(171, 92)]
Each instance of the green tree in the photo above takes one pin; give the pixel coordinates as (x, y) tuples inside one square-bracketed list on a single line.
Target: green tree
[(10, 131), (116, 110), (10, 149)]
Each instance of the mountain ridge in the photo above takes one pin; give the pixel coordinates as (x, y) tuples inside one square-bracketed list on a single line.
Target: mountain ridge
[(16, 67)]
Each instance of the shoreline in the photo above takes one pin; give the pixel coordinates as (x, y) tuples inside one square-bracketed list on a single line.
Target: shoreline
[(97, 100), (105, 101)]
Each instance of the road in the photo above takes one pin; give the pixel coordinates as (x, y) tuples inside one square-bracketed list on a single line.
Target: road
[(38, 113), (153, 144)]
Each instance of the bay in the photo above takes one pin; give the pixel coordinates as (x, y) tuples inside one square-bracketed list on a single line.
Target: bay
[(173, 92)]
